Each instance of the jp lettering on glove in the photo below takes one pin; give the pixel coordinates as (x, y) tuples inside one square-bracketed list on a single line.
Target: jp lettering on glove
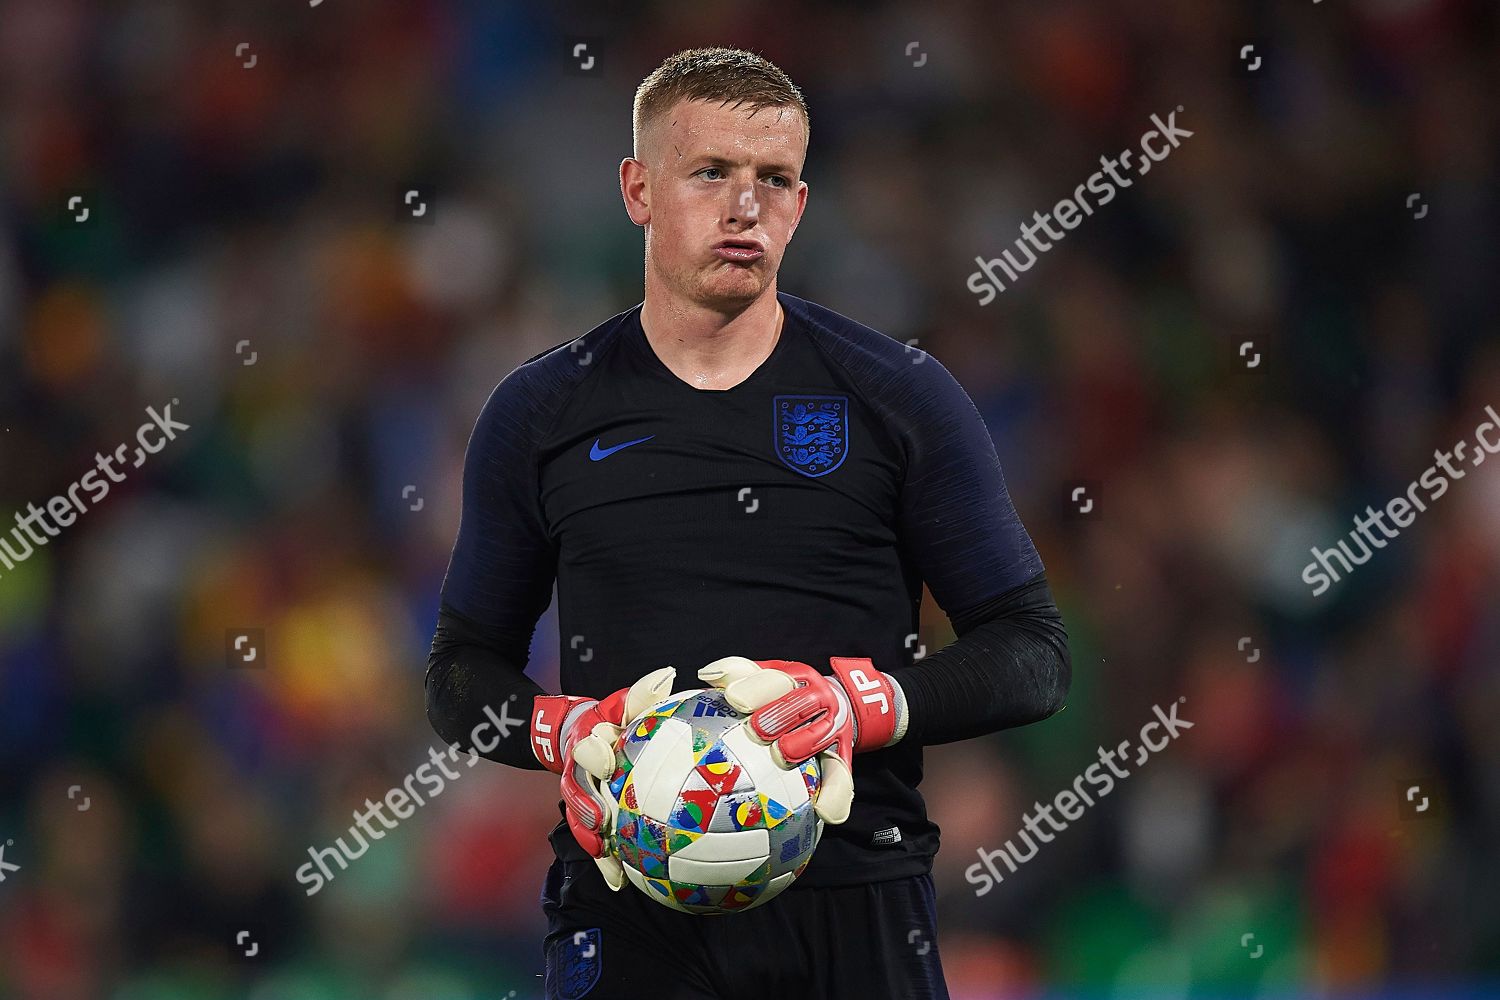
[(802, 713), (575, 738)]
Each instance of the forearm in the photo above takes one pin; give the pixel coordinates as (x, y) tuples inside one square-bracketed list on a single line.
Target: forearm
[(1009, 666), (468, 672)]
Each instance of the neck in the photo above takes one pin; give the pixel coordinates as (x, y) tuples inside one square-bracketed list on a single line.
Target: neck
[(706, 347)]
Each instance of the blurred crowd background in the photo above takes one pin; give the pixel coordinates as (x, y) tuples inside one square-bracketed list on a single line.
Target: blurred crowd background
[(247, 253)]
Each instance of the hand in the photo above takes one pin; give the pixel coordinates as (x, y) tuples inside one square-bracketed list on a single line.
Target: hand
[(802, 713), (575, 737)]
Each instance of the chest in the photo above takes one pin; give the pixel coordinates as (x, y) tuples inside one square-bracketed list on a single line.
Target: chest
[(776, 465)]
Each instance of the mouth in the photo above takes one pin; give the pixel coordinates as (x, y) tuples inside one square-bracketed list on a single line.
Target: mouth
[(739, 251)]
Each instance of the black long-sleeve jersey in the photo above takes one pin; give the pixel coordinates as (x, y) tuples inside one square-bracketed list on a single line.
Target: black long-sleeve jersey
[(795, 516)]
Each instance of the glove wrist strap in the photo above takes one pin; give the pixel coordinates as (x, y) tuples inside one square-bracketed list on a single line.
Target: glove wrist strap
[(877, 702), (903, 719), (552, 718)]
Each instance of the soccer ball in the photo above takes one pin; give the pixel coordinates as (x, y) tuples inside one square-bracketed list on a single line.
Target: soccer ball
[(703, 820)]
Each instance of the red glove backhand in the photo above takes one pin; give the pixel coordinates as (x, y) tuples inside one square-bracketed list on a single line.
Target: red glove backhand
[(575, 737), (851, 712), (803, 713)]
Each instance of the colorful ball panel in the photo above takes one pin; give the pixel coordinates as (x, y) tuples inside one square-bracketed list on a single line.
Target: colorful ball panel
[(706, 820)]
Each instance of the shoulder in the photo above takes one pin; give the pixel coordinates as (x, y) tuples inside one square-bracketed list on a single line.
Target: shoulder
[(848, 341), (540, 385), (898, 378)]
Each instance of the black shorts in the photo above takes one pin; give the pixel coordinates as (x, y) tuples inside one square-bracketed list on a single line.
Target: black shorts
[(864, 942)]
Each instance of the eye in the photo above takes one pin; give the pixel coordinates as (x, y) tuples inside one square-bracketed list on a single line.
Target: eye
[(777, 180), (711, 170)]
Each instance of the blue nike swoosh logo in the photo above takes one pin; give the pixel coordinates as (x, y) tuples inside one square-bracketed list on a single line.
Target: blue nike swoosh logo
[(597, 453)]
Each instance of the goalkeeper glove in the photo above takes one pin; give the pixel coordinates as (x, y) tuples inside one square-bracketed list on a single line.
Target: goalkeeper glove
[(803, 713), (575, 737)]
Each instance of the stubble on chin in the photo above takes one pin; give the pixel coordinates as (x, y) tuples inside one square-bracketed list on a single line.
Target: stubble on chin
[(727, 292)]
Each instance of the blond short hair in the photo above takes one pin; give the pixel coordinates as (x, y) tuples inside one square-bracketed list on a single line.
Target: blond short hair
[(729, 76)]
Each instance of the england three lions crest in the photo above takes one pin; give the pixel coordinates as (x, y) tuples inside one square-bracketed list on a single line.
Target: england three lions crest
[(812, 433)]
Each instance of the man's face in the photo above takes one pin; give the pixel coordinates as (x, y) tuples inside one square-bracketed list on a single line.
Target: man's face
[(720, 193)]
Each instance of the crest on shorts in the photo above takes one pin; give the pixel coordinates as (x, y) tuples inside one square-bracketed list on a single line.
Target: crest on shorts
[(582, 959), (812, 433)]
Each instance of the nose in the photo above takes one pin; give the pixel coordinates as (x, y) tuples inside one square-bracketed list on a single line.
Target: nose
[(745, 210)]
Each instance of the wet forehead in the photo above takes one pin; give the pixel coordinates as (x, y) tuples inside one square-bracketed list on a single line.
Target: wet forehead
[(704, 128)]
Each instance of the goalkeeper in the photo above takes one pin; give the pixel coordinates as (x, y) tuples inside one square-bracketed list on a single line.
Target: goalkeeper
[(728, 469)]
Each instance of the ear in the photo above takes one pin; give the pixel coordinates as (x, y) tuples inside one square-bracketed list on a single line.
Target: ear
[(635, 191), (801, 207)]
